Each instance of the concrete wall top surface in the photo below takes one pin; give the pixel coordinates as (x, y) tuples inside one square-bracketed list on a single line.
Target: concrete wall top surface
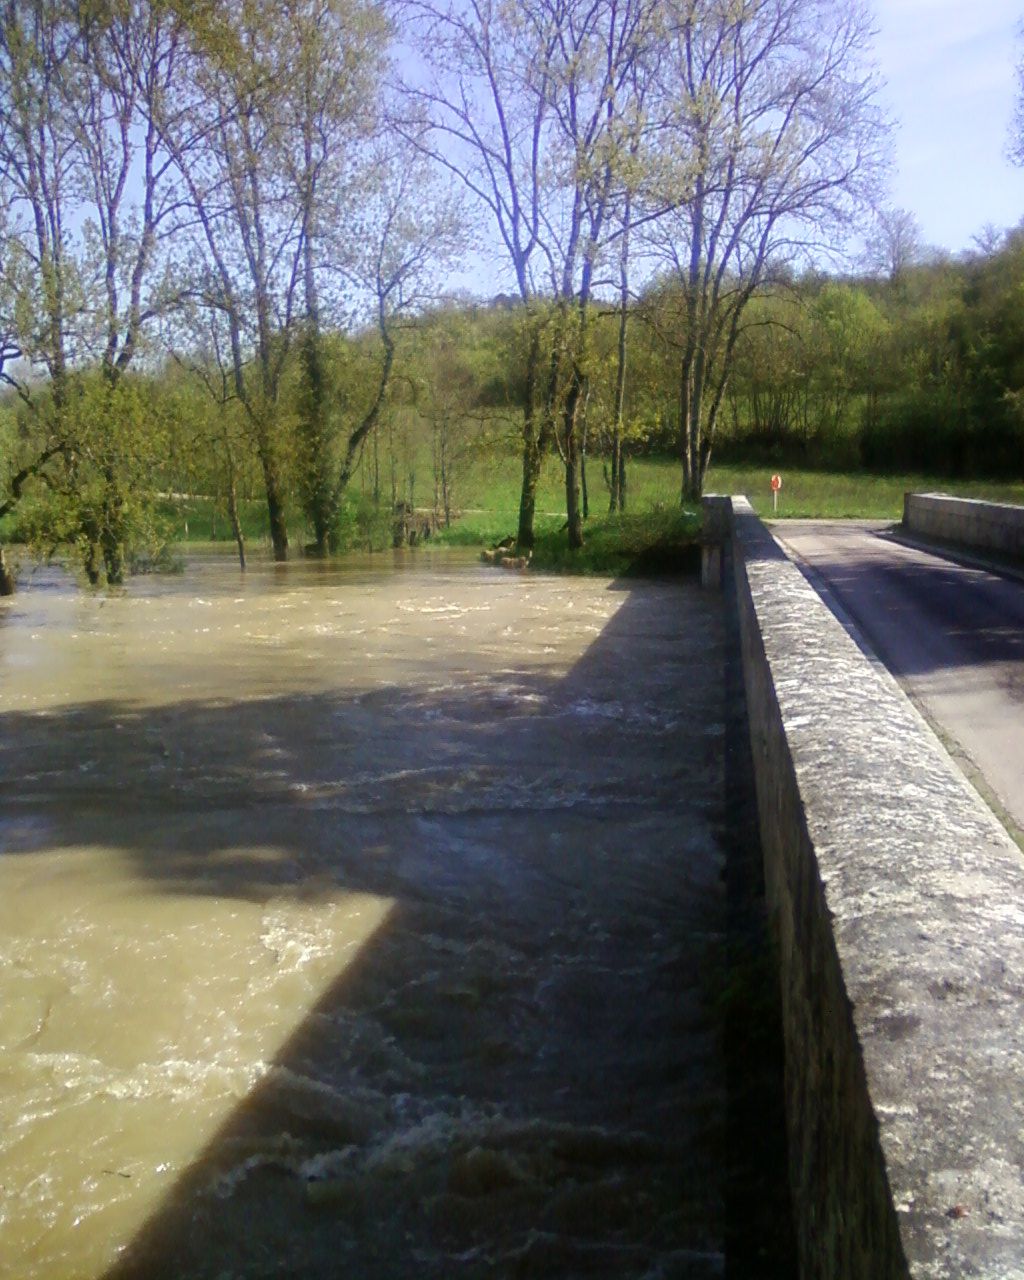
[(926, 895), (967, 503)]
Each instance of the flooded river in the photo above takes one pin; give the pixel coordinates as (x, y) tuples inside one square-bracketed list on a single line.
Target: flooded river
[(360, 920)]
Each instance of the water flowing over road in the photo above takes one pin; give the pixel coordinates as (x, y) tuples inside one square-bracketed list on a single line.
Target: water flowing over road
[(360, 920)]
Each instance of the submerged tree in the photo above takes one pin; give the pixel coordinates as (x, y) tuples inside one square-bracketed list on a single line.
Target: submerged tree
[(223, 129), (405, 231), (329, 108), (86, 204)]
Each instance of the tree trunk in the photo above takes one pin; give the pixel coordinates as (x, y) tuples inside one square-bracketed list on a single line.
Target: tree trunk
[(6, 576), (572, 494), (618, 486), (91, 563), (236, 524), (92, 556), (532, 459), (533, 452), (583, 474), (691, 396), (275, 508), (691, 382), (113, 559), (438, 461), (316, 483), (446, 491), (572, 462), (112, 532)]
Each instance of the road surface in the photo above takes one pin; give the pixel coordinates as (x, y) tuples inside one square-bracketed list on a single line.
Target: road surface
[(952, 635)]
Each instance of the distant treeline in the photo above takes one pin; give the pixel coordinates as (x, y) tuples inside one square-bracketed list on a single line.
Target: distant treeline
[(919, 370)]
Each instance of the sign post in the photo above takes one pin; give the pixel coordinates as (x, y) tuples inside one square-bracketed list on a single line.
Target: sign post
[(776, 486)]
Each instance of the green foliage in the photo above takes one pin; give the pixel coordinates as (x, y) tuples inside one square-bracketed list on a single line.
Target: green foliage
[(665, 540)]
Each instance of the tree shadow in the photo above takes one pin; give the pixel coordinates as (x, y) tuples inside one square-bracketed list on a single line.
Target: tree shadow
[(518, 1073)]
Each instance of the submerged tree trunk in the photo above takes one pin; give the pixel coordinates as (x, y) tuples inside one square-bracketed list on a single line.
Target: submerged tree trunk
[(92, 556), (275, 506), (6, 576), (112, 534), (533, 451), (236, 524), (91, 563), (317, 482)]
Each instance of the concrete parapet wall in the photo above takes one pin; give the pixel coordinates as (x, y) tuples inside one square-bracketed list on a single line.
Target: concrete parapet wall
[(898, 907), (987, 526)]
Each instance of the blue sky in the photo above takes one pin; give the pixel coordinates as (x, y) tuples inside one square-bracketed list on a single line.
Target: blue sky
[(951, 85)]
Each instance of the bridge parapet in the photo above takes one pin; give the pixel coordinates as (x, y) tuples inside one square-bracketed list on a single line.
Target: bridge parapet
[(968, 522), (898, 908)]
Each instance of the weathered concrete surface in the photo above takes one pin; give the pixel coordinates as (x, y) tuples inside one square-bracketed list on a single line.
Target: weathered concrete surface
[(989, 526), (717, 510), (899, 912), (952, 634)]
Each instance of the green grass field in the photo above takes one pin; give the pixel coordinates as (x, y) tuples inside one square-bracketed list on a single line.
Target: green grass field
[(490, 497), (847, 495), (655, 532)]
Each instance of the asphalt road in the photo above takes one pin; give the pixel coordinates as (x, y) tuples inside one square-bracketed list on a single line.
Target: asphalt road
[(952, 635)]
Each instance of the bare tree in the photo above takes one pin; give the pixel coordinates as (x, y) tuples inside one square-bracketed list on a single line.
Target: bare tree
[(770, 106), (894, 243), (1015, 142), (601, 52), (408, 229), (483, 113), (526, 107)]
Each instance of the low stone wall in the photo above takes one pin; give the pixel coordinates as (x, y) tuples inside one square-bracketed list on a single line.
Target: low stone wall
[(898, 908), (987, 526)]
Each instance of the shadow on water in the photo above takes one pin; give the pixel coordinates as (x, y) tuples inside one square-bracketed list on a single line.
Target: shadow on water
[(518, 1074)]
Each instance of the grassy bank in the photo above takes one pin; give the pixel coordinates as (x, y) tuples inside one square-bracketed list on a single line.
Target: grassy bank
[(652, 542)]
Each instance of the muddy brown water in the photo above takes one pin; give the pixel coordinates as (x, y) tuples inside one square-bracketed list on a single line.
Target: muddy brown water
[(360, 920)]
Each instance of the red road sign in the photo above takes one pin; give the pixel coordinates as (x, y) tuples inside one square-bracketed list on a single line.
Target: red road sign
[(776, 483)]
